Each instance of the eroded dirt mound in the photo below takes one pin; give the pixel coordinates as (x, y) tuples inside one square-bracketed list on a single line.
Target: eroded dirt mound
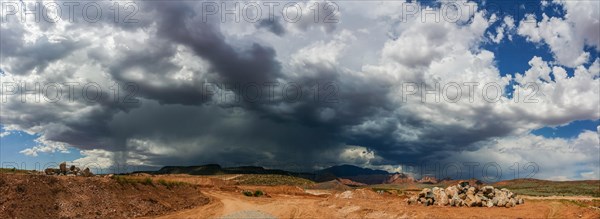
[(333, 185), (350, 182), (358, 194), (39, 196)]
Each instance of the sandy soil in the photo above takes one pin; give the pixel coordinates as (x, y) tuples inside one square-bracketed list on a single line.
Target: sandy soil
[(233, 205), (41, 196), (364, 203), (30, 196)]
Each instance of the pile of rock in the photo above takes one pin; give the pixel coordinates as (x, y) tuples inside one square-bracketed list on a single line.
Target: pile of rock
[(465, 195), (71, 171)]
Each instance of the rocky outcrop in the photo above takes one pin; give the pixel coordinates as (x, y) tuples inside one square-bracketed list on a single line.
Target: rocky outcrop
[(75, 170), (465, 195), (71, 171), (350, 182), (428, 180), (87, 172), (399, 178), (52, 171), (63, 168)]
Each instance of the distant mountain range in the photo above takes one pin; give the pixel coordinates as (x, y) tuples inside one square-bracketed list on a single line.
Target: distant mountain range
[(215, 169), (353, 173), (346, 174)]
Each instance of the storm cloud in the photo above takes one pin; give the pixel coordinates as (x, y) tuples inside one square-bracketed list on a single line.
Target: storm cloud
[(348, 82)]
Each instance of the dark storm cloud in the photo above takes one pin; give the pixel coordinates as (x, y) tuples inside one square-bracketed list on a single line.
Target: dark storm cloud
[(254, 64), (263, 133), (273, 25), (176, 122), (176, 116), (180, 24), (25, 58), (432, 140), (217, 134), (210, 133)]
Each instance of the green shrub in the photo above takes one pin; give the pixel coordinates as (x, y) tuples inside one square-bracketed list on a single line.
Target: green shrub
[(170, 184), (247, 193), (163, 182), (133, 181), (258, 193), (120, 179), (271, 180), (147, 181)]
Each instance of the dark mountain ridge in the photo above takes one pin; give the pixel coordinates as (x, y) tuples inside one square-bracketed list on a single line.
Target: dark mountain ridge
[(215, 169), (350, 172)]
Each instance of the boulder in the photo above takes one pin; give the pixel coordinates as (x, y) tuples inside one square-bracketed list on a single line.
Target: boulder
[(424, 192), (439, 196), (63, 167), (87, 172), (426, 201), (478, 200), (471, 200), (471, 191), (502, 201), (483, 198), (466, 195), (487, 190), (456, 201), (488, 203), (451, 191), (443, 201), (510, 203), (51, 171), (411, 200)]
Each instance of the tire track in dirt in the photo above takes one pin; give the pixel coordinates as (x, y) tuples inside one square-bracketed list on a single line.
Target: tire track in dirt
[(554, 206), (226, 204), (221, 205), (210, 210)]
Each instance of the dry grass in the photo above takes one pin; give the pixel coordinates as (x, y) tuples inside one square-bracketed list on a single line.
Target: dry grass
[(13, 171), (271, 180), (147, 181), (536, 187)]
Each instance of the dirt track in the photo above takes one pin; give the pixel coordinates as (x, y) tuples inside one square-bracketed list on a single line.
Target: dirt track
[(227, 204)]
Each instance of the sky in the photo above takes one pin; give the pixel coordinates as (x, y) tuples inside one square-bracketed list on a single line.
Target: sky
[(487, 89)]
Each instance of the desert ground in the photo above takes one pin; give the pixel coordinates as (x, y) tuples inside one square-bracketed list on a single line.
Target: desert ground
[(283, 201), (222, 196)]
